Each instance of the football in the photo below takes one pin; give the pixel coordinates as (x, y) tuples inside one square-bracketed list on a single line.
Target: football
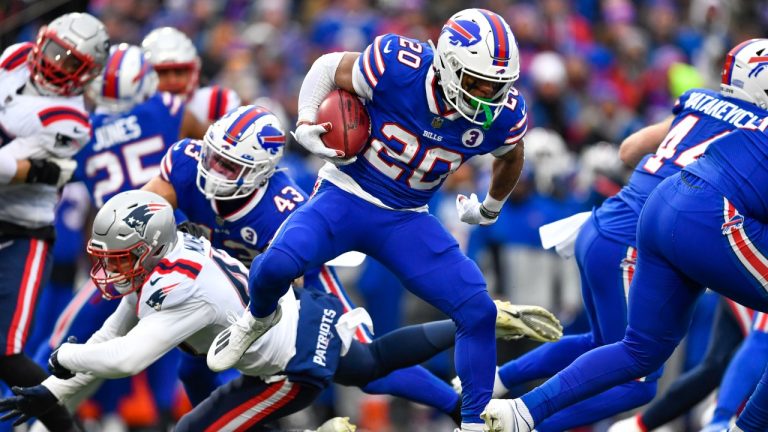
[(350, 122)]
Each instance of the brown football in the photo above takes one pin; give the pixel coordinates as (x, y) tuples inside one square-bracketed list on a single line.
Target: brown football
[(350, 122)]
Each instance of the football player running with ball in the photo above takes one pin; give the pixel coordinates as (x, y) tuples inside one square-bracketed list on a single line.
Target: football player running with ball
[(431, 109)]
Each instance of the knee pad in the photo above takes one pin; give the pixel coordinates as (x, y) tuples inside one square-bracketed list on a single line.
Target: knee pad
[(275, 267), (478, 311), (649, 353)]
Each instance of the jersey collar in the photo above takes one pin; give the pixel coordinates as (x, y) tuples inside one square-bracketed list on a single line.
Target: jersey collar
[(435, 100), (252, 202)]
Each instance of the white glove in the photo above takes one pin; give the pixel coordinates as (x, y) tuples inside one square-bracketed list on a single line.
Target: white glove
[(469, 211), (308, 135)]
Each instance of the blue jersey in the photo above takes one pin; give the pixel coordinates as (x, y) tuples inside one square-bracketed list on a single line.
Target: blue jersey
[(242, 227), (126, 149), (737, 167), (701, 117), (416, 140)]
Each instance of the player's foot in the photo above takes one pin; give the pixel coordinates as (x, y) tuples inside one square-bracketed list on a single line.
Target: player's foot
[(337, 424), (631, 424), (504, 415), (231, 344), (533, 322)]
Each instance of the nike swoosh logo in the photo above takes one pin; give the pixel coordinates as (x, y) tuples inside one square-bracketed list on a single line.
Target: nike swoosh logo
[(6, 244), (79, 131), (153, 282), (387, 50)]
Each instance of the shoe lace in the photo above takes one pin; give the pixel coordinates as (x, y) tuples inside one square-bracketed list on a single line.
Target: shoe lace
[(233, 318)]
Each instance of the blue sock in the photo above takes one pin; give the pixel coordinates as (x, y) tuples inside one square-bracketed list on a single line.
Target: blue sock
[(742, 376), (545, 361)]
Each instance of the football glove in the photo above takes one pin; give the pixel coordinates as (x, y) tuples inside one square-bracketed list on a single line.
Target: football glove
[(191, 228), (28, 402), (308, 135), (55, 368), (473, 212), (51, 171)]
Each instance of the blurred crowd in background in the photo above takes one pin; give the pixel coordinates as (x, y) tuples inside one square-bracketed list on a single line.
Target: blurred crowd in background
[(592, 72)]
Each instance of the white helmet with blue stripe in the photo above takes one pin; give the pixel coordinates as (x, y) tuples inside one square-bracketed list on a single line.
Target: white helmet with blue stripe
[(240, 153), (745, 72), (127, 79), (476, 45)]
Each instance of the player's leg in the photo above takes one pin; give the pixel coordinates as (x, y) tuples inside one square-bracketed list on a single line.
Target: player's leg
[(754, 418), (199, 381), (413, 383), (604, 271), (315, 233), (24, 269), (693, 386), (429, 263), (611, 402), (743, 372), (247, 403)]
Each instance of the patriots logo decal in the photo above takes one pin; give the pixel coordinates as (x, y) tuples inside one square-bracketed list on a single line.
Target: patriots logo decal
[(462, 32), (138, 217), (155, 301)]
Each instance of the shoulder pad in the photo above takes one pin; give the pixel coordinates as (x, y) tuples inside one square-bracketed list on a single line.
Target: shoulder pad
[(15, 55), (384, 53), (213, 102), (179, 153), (66, 127), (167, 291), (173, 102)]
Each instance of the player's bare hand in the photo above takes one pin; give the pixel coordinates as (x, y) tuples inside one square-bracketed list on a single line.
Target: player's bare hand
[(471, 211)]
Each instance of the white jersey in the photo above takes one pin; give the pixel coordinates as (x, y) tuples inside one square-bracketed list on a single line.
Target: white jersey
[(209, 104), (34, 126), (185, 301)]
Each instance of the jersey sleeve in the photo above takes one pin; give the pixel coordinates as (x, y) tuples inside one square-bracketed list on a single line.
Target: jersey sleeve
[(15, 55), (65, 129), (180, 162), (515, 114), (375, 64)]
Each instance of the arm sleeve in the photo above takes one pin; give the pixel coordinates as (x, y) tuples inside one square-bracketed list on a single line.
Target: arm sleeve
[(318, 83), (152, 337)]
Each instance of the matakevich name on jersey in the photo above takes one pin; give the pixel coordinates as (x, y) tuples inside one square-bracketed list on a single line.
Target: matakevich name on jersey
[(725, 111)]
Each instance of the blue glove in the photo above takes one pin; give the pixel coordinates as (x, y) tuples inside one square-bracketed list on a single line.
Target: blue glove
[(29, 402), (55, 368)]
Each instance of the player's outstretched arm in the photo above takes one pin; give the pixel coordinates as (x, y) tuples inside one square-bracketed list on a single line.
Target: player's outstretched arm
[(644, 141), (504, 175)]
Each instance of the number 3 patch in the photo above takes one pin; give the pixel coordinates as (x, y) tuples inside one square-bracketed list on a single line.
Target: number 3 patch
[(472, 137)]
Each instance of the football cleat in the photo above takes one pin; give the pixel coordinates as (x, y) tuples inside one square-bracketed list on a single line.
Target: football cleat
[(503, 415), (230, 345), (631, 424), (337, 424), (533, 322)]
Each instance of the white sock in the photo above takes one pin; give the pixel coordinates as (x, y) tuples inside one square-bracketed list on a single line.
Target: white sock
[(472, 427), (499, 389)]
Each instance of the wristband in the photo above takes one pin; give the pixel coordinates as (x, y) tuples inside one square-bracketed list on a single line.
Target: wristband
[(484, 212), (492, 205)]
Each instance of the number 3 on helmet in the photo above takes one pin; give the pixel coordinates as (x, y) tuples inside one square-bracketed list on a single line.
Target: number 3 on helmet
[(745, 72), (476, 44), (240, 153)]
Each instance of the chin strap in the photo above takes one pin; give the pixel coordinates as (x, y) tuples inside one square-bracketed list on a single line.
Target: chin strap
[(486, 110)]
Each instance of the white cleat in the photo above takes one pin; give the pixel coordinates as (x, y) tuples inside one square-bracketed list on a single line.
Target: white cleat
[(230, 345), (533, 322), (631, 424), (503, 415), (337, 424)]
